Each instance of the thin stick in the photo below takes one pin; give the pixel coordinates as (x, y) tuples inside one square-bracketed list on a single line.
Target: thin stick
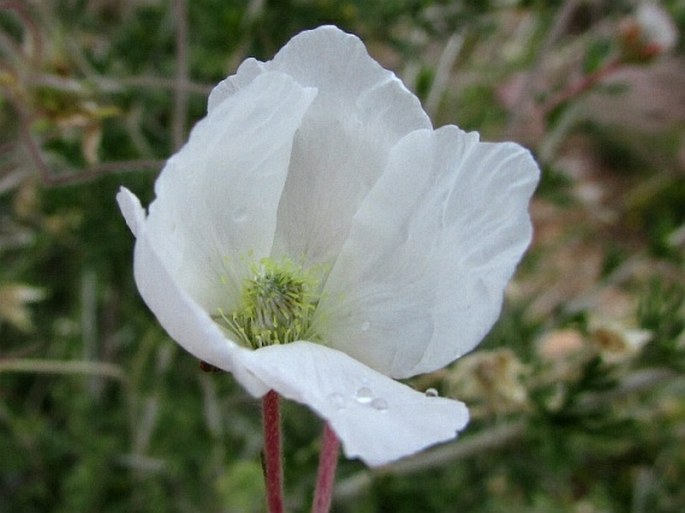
[(328, 461), (442, 75), (273, 473), (37, 366), (582, 85), (525, 97), (32, 28), (180, 93)]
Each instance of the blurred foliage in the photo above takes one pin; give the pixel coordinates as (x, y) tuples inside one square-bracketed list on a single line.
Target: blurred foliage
[(583, 372)]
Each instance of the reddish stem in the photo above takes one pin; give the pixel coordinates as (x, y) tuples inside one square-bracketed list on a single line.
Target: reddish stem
[(328, 462), (273, 473), (582, 85)]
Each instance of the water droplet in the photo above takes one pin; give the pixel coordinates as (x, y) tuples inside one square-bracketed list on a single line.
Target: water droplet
[(338, 400), (364, 395), (365, 326), (240, 214), (431, 392), (379, 404)]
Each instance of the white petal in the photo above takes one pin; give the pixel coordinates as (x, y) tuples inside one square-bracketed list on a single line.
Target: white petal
[(130, 207), (245, 74), (182, 318), (342, 147), (217, 198), (377, 419), (447, 224), (350, 81)]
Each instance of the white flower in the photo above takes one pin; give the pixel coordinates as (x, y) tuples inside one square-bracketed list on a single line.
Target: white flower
[(315, 203)]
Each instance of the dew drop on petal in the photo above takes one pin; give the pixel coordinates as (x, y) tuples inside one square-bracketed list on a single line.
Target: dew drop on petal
[(379, 404), (239, 215), (364, 395), (365, 326), (431, 392), (337, 400)]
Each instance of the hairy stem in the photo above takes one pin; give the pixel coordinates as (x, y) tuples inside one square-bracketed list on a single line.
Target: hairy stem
[(328, 462), (273, 473)]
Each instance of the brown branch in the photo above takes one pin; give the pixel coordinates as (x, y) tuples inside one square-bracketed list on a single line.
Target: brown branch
[(144, 81), (50, 178), (115, 85), (94, 172), (74, 176), (22, 12), (40, 366), (528, 90), (582, 85), (180, 94), (640, 381)]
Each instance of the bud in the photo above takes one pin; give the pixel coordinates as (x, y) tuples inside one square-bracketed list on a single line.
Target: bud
[(647, 34)]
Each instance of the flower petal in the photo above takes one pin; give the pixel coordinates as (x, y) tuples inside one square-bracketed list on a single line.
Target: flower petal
[(342, 147), (448, 222), (182, 318), (217, 198), (132, 210), (376, 418), (244, 75)]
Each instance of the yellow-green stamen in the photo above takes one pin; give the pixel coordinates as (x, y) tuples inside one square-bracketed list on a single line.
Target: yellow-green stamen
[(277, 303)]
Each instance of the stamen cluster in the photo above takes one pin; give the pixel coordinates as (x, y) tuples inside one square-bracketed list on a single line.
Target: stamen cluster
[(276, 305)]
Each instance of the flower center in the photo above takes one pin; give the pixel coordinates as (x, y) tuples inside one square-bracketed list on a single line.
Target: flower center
[(276, 305)]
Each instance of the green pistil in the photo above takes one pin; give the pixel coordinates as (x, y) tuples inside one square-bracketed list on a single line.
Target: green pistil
[(276, 306)]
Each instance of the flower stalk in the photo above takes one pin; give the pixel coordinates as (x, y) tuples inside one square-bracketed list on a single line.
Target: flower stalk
[(328, 461), (273, 471)]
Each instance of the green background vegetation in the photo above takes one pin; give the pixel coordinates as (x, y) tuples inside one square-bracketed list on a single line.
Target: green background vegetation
[(577, 394)]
